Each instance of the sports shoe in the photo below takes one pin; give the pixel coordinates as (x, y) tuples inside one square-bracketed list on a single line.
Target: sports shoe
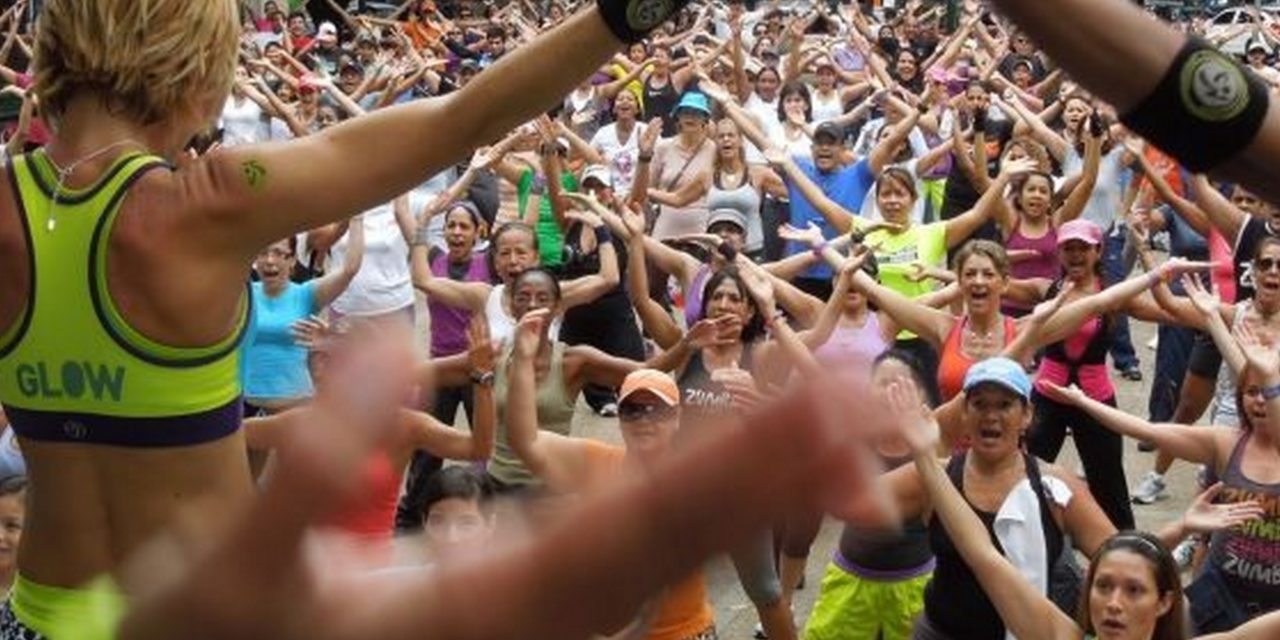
[(759, 633), (1150, 489), (609, 410), (1132, 374)]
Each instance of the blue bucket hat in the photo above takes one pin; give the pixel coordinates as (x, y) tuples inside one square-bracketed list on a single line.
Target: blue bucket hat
[(999, 371), (695, 100)]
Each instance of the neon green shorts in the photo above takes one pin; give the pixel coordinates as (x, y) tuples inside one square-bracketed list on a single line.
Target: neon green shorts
[(851, 607), (92, 613)]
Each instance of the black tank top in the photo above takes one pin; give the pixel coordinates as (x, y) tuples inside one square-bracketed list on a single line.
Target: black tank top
[(701, 397), (954, 600), (887, 551), (660, 102)]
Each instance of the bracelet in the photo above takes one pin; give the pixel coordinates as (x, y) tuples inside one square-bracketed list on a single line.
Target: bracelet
[(644, 157), (773, 320), (603, 234), (1271, 393)]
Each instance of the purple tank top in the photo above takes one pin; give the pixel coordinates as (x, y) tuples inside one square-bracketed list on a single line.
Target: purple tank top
[(1045, 264), (449, 324)]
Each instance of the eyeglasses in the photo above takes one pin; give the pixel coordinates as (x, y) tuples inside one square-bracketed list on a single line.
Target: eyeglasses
[(1267, 264), (642, 412)]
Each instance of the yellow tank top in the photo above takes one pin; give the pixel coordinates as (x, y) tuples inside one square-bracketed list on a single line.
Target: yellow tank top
[(70, 352)]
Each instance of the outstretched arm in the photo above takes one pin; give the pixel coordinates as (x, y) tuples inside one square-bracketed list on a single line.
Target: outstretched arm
[(1088, 36), (1025, 611), (244, 197)]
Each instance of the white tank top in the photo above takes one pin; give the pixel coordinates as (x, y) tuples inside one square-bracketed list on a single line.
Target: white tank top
[(825, 109), (502, 326)]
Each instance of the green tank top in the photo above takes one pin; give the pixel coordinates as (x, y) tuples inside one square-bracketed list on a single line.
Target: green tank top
[(70, 350), (555, 413)]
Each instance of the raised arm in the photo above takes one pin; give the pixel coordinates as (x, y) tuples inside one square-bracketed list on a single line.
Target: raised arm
[(587, 288), (1025, 611), (444, 441), (840, 219), (1075, 203), (246, 196), (554, 458), (963, 226), (1087, 36), (1225, 216), (331, 285)]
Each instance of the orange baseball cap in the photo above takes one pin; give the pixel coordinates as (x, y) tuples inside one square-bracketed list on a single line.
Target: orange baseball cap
[(656, 382)]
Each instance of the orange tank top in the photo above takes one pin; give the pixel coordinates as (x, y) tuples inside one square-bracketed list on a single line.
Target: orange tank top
[(954, 364)]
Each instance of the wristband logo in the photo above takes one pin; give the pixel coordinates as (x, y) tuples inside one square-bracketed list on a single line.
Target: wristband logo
[(644, 15), (1213, 88)]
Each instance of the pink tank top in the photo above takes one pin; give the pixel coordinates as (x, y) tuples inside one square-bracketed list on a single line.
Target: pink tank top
[(1223, 273), (853, 348)]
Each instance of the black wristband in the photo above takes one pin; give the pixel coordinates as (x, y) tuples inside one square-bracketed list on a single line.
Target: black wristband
[(728, 252), (632, 20), (1205, 110), (603, 234)]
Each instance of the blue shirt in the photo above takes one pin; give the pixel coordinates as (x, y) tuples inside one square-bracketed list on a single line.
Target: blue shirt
[(274, 367), (848, 186)]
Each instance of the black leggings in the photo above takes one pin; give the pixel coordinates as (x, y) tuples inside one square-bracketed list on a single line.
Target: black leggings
[(1101, 450), (424, 465)]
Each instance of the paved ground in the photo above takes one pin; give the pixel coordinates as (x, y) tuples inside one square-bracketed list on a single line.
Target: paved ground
[(734, 615)]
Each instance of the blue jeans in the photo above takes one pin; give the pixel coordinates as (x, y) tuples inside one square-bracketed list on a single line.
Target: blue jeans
[(1116, 269)]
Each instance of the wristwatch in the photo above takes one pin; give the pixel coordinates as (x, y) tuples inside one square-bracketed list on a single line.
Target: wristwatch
[(482, 378)]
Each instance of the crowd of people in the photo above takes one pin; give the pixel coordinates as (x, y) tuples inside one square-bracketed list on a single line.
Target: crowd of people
[(321, 285)]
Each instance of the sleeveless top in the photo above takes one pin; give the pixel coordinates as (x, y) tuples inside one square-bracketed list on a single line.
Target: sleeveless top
[(745, 198), (825, 109), (1246, 556), (1081, 359), (1044, 265), (953, 364), (702, 398), (371, 513), (502, 326), (660, 102), (855, 348), (555, 413), (449, 324), (954, 600), (886, 555), (72, 369)]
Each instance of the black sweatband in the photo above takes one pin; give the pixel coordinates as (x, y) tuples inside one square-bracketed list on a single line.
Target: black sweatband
[(1205, 110), (632, 20), (603, 234), (727, 252)]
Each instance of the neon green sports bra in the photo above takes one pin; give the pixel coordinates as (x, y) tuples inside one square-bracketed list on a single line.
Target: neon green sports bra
[(71, 367)]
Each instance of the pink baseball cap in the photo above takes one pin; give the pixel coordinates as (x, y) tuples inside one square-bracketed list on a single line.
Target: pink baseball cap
[(1082, 230)]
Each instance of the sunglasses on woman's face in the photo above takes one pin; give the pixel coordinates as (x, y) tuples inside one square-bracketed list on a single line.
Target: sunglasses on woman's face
[(1267, 264), (641, 412)]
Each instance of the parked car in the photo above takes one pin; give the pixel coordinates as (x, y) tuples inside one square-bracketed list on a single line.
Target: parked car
[(1232, 21)]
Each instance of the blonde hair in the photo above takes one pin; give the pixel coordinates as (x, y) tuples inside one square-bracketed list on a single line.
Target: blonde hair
[(147, 59)]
